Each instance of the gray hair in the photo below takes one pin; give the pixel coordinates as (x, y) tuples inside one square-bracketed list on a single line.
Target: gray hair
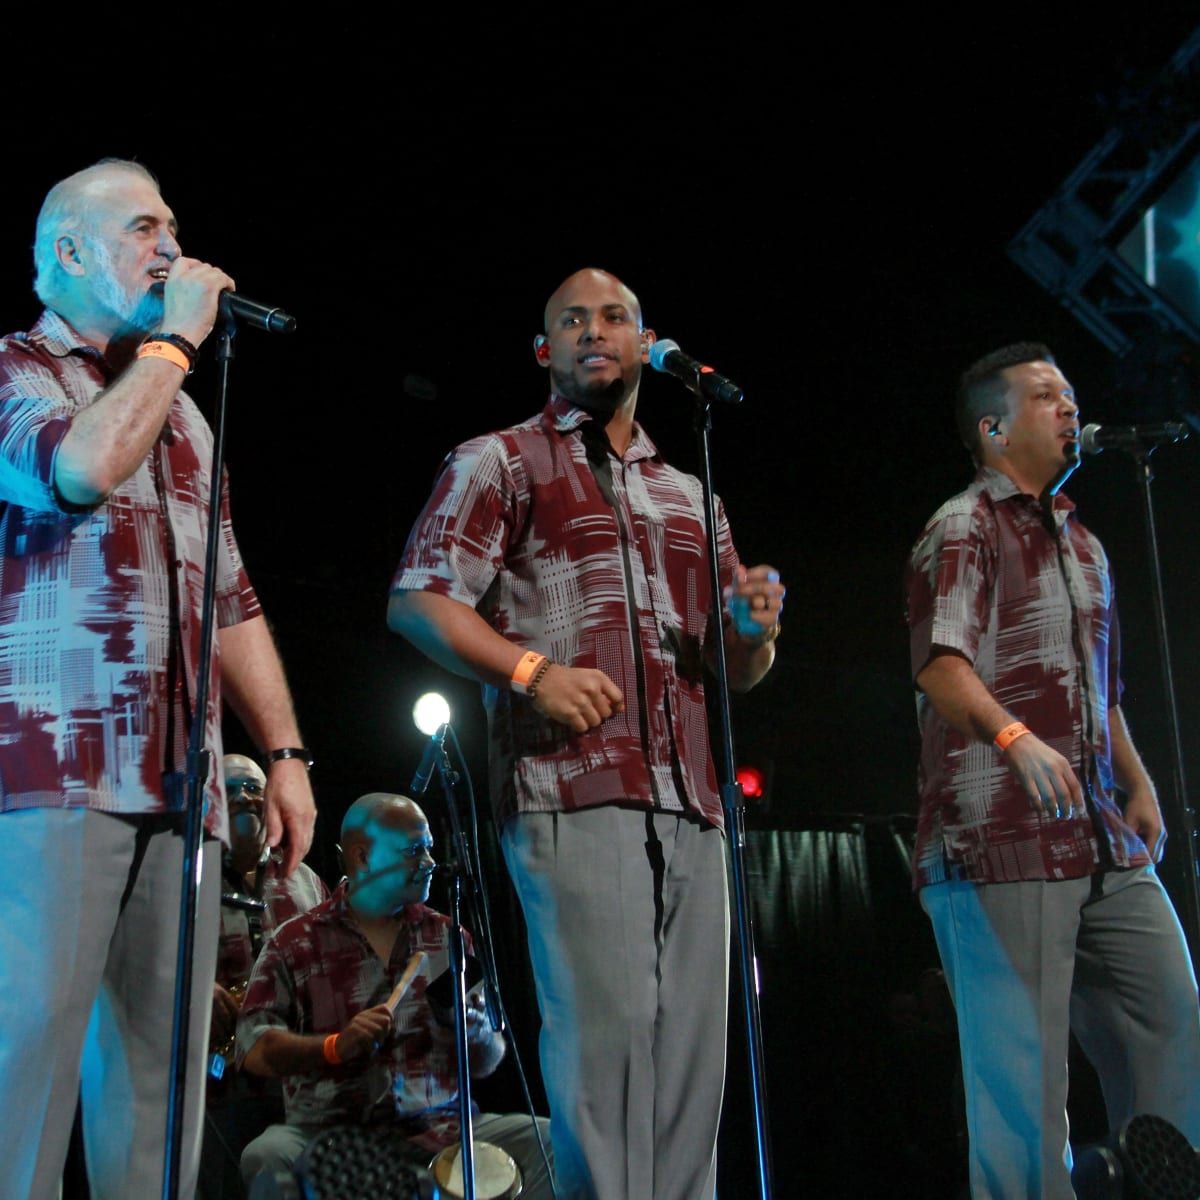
[(66, 209)]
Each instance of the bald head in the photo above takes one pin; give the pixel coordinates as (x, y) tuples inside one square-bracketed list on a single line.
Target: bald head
[(68, 208), (245, 795), (383, 809), (386, 851), (238, 767), (564, 295)]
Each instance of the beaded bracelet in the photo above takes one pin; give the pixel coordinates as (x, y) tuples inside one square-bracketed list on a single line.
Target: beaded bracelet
[(531, 690)]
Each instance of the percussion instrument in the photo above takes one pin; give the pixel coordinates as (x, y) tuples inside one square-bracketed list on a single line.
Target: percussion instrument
[(497, 1177)]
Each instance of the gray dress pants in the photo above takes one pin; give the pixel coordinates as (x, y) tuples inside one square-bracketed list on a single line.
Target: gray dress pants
[(88, 933), (1027, 962), (629, 936)]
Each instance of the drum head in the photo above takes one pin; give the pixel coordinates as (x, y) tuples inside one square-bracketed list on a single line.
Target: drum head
[(496, 1175)]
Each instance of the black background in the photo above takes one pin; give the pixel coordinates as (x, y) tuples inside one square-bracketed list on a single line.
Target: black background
[(821, 210)]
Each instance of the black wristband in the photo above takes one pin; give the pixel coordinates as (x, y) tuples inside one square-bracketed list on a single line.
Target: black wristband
[(291, 752)]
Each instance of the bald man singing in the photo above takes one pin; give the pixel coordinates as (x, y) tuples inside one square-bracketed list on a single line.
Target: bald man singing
[(561, 563)]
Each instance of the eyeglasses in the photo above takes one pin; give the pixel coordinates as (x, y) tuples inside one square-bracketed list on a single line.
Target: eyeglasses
[(250, 788)]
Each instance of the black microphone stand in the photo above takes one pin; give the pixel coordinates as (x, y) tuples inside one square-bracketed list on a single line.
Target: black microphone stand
[(1187, 819), (462, 869), (195, 777), (734, 803)]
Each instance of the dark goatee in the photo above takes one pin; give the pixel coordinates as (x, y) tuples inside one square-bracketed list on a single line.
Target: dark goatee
[(602, 400)]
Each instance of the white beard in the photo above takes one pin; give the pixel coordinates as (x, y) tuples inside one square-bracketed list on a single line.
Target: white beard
[(135, 309)]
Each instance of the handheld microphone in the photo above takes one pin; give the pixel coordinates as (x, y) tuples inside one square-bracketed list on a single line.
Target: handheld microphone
[(666, 356), (1094, 439), (429, 760), (270, 317)]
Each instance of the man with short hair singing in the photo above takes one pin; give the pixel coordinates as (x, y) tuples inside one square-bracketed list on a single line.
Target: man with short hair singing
[(1040, 886)]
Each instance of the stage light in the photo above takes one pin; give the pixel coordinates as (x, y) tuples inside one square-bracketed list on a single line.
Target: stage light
[(753, 781), (430, 712)]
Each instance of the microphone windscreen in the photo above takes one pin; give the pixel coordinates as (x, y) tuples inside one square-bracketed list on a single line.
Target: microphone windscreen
[(659, 352)]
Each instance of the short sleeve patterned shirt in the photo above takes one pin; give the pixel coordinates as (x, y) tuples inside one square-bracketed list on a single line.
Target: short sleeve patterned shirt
[(1033, 611), (599, 566), (315, 974), (285, 896), (100, 607)]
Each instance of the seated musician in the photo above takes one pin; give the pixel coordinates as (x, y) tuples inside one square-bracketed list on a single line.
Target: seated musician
[(256, 898), (321, 1012)]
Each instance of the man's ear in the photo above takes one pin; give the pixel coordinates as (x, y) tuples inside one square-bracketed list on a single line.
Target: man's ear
[(353, 858), (649, 337), (541, 349), (66, 250), (989, 429)]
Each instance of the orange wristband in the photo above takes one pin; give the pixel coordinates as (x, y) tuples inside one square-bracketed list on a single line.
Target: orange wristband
[(526, 669), (1009, 734), (172, 353), (329, 1049)]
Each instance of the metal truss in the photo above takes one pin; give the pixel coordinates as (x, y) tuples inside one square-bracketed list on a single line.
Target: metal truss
[(1070, 244)]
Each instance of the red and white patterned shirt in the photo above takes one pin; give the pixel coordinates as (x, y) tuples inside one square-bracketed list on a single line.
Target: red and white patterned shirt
[(285, 897), (100, 607), (1034, 613), (519, 528), (315, 974)]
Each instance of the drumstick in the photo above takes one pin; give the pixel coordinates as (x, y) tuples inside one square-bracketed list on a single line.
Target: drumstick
[(410, 973)]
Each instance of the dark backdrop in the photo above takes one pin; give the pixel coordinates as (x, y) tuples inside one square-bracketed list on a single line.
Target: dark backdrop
[(821, 209)]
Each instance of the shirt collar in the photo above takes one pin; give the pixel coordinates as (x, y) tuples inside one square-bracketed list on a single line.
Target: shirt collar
[(56, 336), (1000, 487), (567, 418)]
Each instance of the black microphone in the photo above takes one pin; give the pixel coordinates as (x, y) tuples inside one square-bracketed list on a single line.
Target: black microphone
[(270, 317), (429, 761), (1134, 438), (665, 355)]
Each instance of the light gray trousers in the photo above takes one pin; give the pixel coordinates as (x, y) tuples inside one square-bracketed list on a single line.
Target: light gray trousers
[(84, 978), (629, 937), (1027, 962)]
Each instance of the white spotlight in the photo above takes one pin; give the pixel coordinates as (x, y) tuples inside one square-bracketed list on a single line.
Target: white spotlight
[(431, 712)]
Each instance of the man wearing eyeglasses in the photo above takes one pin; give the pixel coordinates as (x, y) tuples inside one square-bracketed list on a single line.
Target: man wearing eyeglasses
[(256, 898), (253, 873)]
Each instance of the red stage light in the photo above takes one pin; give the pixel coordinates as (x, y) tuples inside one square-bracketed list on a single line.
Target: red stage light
[(753, 782)]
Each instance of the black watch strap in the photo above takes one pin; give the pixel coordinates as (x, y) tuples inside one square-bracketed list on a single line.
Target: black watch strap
[(292, 752)]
